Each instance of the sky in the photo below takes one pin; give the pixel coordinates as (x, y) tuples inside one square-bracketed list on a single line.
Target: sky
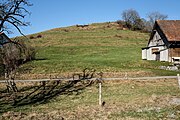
[(49, 14)]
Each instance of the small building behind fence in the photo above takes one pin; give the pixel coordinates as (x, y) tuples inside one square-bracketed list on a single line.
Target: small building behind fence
[(164, 42)]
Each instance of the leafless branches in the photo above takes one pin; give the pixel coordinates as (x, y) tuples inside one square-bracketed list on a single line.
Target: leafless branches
[(153, 16), (12, 13)]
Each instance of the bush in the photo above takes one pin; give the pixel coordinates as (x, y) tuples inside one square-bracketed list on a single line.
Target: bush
[(30, 53), (27, 51), (31, 37), (13, 54), (39, 36)]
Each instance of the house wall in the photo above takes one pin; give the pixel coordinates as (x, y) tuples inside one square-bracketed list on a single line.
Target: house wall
[(150, 56), (156, 41), (164, 55), (3, 38), (144, 54), (156, 48), (175, 52), (163, 51), (174, 55)]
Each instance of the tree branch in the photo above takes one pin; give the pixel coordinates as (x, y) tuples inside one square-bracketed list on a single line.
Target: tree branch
[(13, 13), (19, 30)]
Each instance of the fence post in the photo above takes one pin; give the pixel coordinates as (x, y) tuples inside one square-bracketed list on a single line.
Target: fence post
[(126, 76), (5, 76), (178, 80), (100, 93)]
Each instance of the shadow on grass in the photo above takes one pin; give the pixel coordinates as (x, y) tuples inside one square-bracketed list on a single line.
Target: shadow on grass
[(42, 93)]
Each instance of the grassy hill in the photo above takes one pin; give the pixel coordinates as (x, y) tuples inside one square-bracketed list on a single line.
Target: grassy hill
[(106, 48), (102, 46)]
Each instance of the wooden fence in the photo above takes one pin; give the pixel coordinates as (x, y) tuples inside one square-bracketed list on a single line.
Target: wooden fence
[(123, 78)]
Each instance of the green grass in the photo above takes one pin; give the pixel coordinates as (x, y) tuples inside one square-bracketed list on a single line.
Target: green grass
[(107, 49), (123, 100), (68, 50)]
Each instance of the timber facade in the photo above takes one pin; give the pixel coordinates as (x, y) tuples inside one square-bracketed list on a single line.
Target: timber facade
[(164, 42)]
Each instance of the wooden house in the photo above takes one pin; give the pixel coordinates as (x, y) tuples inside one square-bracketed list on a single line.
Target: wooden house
[(4, 39), (11, 52), (164, 42)]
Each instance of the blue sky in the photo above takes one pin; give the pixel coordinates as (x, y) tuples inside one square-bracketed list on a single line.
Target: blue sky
[(48, 14)]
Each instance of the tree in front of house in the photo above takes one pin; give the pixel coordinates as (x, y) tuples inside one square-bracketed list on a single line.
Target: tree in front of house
[(12, 52)]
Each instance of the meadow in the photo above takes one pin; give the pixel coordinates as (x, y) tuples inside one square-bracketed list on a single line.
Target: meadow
[(125, 100), (105, 47), (102, 46)]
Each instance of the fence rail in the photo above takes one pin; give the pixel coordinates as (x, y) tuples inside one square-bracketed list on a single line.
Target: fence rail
[(71, 79)]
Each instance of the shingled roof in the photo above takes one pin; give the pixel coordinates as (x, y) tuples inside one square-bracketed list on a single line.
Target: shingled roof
[(170, 28)]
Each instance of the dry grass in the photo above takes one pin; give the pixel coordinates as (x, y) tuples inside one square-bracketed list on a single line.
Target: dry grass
[(128, 100), (117, 53)]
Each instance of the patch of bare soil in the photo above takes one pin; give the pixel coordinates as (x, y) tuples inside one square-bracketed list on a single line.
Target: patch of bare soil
[(32, 116), (85, 113)]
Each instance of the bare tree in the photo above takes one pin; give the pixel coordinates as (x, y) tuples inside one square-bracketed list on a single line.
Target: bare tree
[(10, 55), (153, 16), (130, 17), (12, 13), (13, 54), (139, 24)]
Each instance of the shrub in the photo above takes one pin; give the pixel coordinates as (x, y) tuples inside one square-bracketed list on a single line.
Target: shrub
[(31, 37), (39, 36)]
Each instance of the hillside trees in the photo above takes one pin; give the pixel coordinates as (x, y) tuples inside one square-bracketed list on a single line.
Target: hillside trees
[(133, 20), (153, 16)]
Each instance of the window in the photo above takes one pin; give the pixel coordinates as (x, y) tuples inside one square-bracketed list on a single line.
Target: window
[(154, 50)]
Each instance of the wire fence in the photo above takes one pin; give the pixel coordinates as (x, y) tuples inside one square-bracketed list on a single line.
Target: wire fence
[(72, 79)]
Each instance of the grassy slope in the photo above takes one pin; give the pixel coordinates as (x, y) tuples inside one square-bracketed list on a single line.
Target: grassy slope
[(100, 46), (103, 48)]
